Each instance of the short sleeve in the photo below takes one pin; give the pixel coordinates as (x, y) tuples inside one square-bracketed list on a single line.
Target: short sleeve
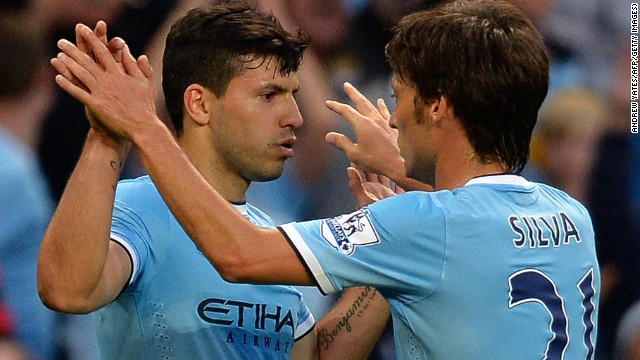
[(396, 244), (306, 321), (128, 229)]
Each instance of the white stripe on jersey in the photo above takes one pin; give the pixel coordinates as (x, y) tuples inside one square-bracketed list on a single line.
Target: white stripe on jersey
[(304, 327), (134, 257), (309, 258)]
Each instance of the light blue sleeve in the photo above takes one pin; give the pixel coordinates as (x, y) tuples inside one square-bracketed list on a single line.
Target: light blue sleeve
[(129, 231), (396, 244), (306, 321), (139, 218)]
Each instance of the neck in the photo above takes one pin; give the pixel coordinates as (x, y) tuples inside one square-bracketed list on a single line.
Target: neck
[(229, 184), (450, 179), (456, 162)]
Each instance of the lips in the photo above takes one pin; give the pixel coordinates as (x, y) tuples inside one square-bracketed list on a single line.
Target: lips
[(286, 146)]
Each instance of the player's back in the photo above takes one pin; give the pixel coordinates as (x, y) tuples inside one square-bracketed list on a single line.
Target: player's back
[(519, 278)]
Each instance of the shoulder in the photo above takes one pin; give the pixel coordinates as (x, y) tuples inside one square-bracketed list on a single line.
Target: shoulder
[(140, 199), (416, 198), (138, 190), (142, 183), (562, 198), (415, 202), (400, 213)]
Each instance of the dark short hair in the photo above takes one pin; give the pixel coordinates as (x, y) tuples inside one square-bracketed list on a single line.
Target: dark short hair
[(487, 59), (212, 45)]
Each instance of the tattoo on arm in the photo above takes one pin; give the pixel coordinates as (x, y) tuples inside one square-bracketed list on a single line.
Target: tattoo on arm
[(358, 308), (115, 167)]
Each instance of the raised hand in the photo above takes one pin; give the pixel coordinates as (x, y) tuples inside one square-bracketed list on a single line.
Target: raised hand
[(119, 94), (376, 150), (115, 46)]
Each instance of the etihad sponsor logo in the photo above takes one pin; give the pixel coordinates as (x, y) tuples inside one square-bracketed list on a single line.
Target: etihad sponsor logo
[(244, 314), (240, 337)]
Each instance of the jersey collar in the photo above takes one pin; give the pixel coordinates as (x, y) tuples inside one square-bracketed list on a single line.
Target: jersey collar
[(500, 179), (241, 208)]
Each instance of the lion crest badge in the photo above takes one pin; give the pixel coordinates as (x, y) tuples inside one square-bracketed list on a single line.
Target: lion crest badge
[(346, 232)]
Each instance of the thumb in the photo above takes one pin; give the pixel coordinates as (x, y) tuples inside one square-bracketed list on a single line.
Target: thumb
[(357, 189), (340, 141)]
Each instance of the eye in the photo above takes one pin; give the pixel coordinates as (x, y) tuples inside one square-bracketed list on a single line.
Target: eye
[(394, 97), (268, 96)]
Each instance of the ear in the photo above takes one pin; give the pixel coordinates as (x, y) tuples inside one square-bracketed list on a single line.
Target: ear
[(439, 109), (196, 104)]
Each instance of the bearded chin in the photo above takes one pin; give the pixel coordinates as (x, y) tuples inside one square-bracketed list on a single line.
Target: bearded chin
[(265, 174), (423, 171)]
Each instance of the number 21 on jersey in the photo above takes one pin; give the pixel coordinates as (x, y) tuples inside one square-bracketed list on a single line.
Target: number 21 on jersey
[(532, 285)]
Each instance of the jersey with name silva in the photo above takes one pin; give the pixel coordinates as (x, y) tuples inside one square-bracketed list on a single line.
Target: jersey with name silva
[(500, 268), (177, 306)]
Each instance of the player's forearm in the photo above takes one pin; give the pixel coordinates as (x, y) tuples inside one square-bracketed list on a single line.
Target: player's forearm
[(352, 328), (74, 248)]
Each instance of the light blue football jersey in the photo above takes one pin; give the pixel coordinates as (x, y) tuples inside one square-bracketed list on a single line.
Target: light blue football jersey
[(500, 268), (177, 306)]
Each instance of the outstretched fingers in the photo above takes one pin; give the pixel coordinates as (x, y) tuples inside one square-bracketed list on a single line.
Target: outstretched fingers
[(342, 142), (99, 49), (130, 63), (363, 105), (74, 90), (62, 70), (115, 47), (384, 123), (78, 64), (358, 191), (384, 110), (139, 68), (81, 44), (351, 115), (377, 178)]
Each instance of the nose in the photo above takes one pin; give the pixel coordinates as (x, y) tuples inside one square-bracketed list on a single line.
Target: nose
[(392, 120), (292, 115)]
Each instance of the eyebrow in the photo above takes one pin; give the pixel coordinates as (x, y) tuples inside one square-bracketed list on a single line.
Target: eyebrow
[(278, 88)]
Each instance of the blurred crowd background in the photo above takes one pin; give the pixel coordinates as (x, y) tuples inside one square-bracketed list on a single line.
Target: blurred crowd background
[(582, 143)]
